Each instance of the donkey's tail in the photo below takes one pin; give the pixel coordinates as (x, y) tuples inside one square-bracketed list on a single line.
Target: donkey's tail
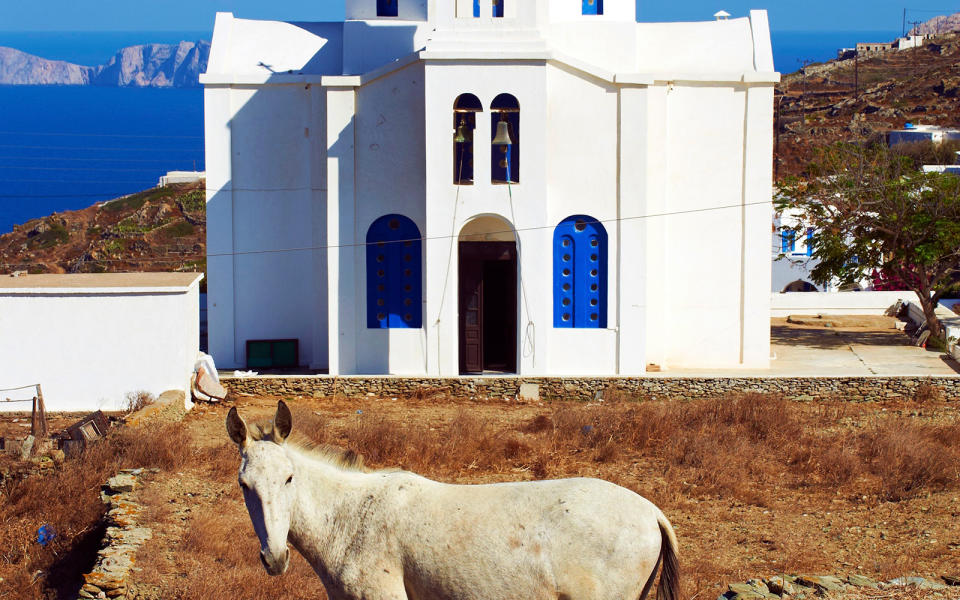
[(669, 588)]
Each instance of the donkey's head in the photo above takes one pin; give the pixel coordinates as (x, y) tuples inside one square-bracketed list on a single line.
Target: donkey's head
[(266, 478)]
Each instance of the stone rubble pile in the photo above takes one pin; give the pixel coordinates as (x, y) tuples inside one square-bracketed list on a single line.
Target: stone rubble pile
[(805, 586), (109, 577)]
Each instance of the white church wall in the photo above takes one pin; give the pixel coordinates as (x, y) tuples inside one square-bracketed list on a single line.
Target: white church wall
[(271, 192), (611, 45), (703, 232), (702, 48), (390, 154), (582, 161), (220, 265), (447, 212), (368, 45)]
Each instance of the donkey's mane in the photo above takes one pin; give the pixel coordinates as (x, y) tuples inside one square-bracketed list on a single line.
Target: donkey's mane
[(334, 455)]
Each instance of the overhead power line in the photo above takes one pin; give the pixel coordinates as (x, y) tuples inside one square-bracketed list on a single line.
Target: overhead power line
[(430, 238)]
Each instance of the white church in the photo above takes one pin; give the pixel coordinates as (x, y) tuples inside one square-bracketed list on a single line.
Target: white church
[(459, 187)]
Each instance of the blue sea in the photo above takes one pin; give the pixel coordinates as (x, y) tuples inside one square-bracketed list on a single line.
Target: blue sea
[(68, 147), (65, 147)]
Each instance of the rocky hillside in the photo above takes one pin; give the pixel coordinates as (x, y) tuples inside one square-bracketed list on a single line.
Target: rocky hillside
[(149, 65), (163, 229), (862, 99), (20, 68), (938, 25)]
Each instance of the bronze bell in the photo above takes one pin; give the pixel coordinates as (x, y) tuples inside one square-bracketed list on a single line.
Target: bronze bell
[(463, 134), (503, 134)]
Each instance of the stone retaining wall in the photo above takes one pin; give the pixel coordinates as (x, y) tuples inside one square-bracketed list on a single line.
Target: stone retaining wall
[(124, 536), (589, 388)]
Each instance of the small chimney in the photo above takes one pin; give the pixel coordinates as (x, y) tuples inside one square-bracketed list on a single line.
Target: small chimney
[(721, 15)]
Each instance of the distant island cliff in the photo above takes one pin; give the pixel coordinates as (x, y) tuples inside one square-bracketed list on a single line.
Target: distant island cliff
[(148, 65)]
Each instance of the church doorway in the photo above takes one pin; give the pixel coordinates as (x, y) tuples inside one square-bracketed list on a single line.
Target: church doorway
[(488, 297)]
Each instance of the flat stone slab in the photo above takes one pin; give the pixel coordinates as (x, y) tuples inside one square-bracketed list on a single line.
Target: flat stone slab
[(119, 484), (862, 581)]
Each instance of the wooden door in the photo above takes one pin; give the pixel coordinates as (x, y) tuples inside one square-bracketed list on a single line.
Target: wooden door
[(471, 311)]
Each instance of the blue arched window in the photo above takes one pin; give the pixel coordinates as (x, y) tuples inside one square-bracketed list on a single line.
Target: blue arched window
[(388, 8), (592, 7), (580, 273), (394, 267)]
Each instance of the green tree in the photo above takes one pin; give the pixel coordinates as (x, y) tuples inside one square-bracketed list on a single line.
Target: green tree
[(873, 211)]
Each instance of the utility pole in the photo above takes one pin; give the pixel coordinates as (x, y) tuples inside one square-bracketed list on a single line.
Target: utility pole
[(915, 27), (903, 26), (803, 94), (856, 76)]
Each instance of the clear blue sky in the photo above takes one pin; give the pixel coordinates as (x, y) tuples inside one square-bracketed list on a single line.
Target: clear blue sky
[(197, 15)]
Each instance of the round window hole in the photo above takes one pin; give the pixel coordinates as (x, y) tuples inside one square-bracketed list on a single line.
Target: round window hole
[(594, 243), (407, 302), (565, 317), (594, 317), (381, 244), (566, 258), (381, 316), (566, 272), (407, 272), (593, 257), (407, 258), (381, 287), (566, 301), (593, 287), (381, 273), (580, 225), (394, 224), (565, 243), (408, 317), (408, 288), (593, 302), (381, 258), (566, 287), (593, 272), (380, 302)]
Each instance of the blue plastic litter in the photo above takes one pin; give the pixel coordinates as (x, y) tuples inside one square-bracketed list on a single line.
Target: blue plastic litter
[(587, 429), (359, 412), (45, 535)]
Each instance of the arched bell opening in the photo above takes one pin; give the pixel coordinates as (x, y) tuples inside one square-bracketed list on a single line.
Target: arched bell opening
[(505, 128), (465, 109)]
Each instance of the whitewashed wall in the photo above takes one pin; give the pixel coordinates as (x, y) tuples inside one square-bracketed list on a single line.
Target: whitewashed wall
[(448, 213), (89, 348), (266, 219)]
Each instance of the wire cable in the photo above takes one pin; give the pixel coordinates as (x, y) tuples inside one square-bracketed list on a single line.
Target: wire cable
[(447, 237)]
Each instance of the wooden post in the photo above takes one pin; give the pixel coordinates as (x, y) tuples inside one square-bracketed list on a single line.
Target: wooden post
[(38, 421)]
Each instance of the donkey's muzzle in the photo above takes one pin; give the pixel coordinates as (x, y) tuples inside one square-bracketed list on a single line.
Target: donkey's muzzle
[(274, 566)]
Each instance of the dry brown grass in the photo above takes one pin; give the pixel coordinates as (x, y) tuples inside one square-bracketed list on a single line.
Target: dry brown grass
[(68, 501), (741, 451)]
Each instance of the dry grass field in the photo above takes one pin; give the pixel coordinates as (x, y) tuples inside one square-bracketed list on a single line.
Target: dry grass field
[(754, 485)]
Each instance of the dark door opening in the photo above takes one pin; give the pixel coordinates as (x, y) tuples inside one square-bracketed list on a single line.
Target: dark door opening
[(488, 307)]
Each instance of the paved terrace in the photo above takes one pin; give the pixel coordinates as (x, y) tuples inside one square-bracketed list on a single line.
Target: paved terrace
[(865, 346)]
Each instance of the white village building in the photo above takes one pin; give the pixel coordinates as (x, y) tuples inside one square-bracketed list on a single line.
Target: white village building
[(444, 187)]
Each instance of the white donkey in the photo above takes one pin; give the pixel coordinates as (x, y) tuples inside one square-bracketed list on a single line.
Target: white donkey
[(393, 535)]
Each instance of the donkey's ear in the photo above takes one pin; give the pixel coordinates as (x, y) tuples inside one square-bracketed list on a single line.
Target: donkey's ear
[(282, 422), (236, 428)]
